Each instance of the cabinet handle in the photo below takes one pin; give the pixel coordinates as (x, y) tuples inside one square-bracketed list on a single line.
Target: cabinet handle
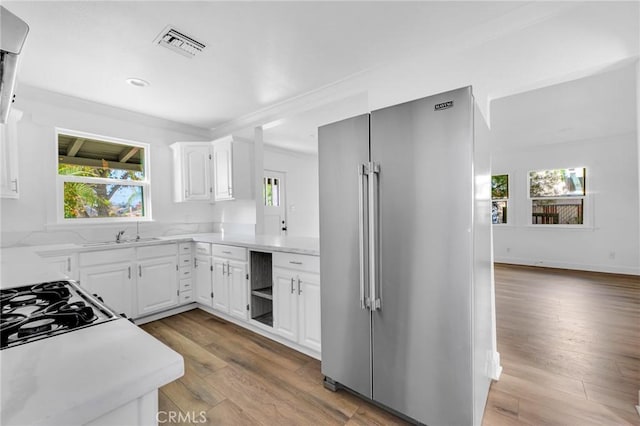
[(299, 288), (292, 286), (223, 265), (293, 262), (178, 292), (15, 185), (228, 269), (129, 272), (186, 194), (140, 271), (195, 262), (68, 264), (226, 252)]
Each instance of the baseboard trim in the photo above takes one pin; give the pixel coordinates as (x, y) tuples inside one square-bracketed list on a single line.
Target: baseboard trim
[(624, 270), (495, 367), (164, 314)]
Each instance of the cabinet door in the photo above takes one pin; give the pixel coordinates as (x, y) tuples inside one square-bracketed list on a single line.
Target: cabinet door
[(285, 308), (238, 288), (220, 285), (64, 264), (113, 283), (197, 173), (203, 277), (9, 156), (157, 285), (308, 286), (223, 170)]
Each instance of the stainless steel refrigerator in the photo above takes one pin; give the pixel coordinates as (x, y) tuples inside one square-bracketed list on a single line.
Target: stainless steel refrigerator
[(405, 258)]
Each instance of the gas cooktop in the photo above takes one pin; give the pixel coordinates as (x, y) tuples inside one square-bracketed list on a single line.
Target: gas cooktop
[(34, 312)]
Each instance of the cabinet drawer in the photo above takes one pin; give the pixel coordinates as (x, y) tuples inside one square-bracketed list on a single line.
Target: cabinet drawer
[(184, 273), (230, 252), (160, 250), (186, 296), (299, 262), (203, 248), (184, 248), (106, 256), (186, 285), (185, 261)]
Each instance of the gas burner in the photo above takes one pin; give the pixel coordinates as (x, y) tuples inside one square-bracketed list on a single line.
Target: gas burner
[(34, 312), (9, 320), (23, 300), (57, 287), (7, 294), (39, 326)]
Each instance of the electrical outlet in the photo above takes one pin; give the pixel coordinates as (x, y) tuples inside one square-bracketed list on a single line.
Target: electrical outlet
[(612, 255), (508, 249)]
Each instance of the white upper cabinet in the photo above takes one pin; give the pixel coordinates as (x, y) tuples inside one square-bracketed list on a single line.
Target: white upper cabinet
[(223, 169), (232, 169), (220, 170), (192, 171), (9, 156)]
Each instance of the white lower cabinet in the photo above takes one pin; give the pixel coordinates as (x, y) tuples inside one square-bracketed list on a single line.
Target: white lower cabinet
[(156, 284), (113, 283), (230, 280), (133, 281), (203, 274), (296, 299), (238, 289), (64, 264)]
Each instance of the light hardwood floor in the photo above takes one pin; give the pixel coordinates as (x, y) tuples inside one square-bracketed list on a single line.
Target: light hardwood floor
[(569, 342)]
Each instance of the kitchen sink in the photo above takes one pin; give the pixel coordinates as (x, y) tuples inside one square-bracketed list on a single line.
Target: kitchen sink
[(122, 242)]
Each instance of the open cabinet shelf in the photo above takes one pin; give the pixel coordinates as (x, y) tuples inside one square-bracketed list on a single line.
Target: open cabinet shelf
[(261, 288)]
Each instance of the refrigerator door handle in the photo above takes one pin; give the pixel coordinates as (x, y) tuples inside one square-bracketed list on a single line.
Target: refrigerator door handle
[(362, 172), (374, 170)]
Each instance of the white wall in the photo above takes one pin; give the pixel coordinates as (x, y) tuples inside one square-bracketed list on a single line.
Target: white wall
[(302, 189), (592, 123), (31, 219)]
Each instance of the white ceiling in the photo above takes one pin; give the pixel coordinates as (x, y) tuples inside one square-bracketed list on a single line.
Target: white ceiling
[(597, 106), (261, 54)]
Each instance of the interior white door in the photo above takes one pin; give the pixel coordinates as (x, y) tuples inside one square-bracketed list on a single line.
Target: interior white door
[(274, 197)]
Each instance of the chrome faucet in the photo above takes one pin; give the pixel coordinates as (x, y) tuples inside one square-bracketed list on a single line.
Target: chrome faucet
[(120, 234)]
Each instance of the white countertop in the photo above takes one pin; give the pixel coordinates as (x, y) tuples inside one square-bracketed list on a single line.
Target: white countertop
[(300, 245), (75, 377)]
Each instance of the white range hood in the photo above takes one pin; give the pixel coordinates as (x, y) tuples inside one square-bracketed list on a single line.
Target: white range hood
[(13, 32)]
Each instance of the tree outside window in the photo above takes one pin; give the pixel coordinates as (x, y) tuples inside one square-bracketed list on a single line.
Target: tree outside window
[(102, 179), (499, 198)]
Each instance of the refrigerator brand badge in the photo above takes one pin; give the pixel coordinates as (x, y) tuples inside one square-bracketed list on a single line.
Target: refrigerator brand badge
[(444, 105)]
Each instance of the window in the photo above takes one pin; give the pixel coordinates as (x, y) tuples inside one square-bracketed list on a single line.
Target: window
[(557, 196), (101, 179), (499, 198), (271, 191)]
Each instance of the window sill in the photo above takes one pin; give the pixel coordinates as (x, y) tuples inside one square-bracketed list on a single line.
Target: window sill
[(561, 226)]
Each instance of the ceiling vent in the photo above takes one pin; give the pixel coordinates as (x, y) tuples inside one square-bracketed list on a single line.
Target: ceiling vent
[(179, 42)]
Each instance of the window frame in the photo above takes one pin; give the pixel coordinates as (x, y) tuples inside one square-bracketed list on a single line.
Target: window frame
[(145, 183), (509, 221), (586, 202)]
